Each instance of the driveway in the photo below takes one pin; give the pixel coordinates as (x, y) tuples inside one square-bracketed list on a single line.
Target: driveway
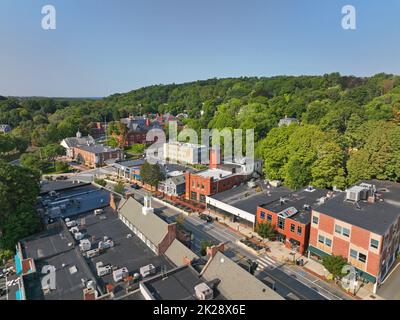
[(391, 287)]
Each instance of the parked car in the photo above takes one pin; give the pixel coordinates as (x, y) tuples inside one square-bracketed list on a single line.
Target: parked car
[(135, 186), (206, 218)]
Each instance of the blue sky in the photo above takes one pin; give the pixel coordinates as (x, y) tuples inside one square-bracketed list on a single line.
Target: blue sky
[(108, 46)]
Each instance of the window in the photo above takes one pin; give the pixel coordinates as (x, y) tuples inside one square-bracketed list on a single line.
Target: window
[(315, 220), (262, 215), (338, 229), (202, 198), (353, 254), (193, 196), (281, 223), (374, 244), (299, 230), (342, 230), (269, 218), (321, 239), (328, 242), (292, 227), (362, 257)]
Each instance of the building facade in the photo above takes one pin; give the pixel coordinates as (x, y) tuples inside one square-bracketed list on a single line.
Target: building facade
[(363, 226), (185, 153)]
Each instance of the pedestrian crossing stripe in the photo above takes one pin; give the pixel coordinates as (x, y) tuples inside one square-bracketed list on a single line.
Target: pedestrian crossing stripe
[(264, 262)]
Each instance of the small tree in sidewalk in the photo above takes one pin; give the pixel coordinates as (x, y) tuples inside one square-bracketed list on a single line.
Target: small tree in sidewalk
[(266, 230), (334, 264)]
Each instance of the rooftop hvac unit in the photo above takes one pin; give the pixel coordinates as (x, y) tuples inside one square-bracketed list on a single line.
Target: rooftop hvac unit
[(120, 274), (147, 270), (92, 253), (204, 292), (85, 245), (79, 236)]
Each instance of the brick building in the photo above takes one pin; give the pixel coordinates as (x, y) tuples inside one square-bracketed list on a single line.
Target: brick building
[(291, 216), (95, 155), (361, 225), (212, 181)]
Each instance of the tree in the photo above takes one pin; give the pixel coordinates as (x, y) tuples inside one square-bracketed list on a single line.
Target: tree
[(266, 230), (61, 167), (151, 174), (334, 264), (119, 188), (204, 244), (100, 182), (19, 189)]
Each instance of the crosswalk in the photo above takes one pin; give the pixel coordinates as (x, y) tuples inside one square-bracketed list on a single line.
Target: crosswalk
[(265, 262)]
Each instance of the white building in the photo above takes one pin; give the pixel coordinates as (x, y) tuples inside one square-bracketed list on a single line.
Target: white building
[(186, 153)]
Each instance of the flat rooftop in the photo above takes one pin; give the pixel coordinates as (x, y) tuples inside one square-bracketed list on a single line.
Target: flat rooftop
[(298, 200), (48, 186), (179, 285), (216, 174), (56, 247), (75, 200), (51, 248), (376, 217), (131, 252), (248, 199)]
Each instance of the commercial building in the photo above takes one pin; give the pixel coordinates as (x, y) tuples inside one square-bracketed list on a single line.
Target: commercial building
[(290, 215), (209, 182), (362, 225), (240, 203), (70, 143), (185, 153), (174, 186)]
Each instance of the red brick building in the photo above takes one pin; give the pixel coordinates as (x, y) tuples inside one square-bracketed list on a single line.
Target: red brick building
[(291, 216), (361, 225), (209, 182), (95, 155)]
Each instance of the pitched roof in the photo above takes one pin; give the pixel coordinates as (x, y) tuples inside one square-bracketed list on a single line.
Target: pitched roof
[(73, 142), (236, 283), (177, 252), (177, 180), (151, 226)]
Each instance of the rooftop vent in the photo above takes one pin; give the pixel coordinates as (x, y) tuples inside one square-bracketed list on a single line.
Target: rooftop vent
[(310, 189), (203, 292)]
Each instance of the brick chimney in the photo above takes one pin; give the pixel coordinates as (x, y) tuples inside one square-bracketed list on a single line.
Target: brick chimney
[(212, 251), (147, 122), (215, 158), (113, 205)]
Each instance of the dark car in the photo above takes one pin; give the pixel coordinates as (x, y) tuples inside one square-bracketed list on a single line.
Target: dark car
[(207, 218), (135, 186)]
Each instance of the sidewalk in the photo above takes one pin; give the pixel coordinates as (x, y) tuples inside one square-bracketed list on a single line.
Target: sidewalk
[(315, 269)]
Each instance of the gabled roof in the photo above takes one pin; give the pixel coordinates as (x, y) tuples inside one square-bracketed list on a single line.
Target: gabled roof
[(152, 226), (177, 252), (75, 142), (235, 282), (177, 180)]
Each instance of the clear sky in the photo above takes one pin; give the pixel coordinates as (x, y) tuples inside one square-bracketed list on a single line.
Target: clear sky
[(101, 47)]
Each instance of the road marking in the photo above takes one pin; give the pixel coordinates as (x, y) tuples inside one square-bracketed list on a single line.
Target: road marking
[(265, 262)]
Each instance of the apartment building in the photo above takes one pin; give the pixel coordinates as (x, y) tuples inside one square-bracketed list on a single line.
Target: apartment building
[(362, 225), (186, 153)]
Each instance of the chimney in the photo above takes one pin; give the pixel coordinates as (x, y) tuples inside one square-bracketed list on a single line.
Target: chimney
[(371, 199), (212, 251), (112, 202), (214, 157), (147, 122)]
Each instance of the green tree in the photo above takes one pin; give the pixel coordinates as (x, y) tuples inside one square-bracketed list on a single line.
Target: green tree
[(119, 188), (151, 174), (334, 264), (204, 244), (265, 230)]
